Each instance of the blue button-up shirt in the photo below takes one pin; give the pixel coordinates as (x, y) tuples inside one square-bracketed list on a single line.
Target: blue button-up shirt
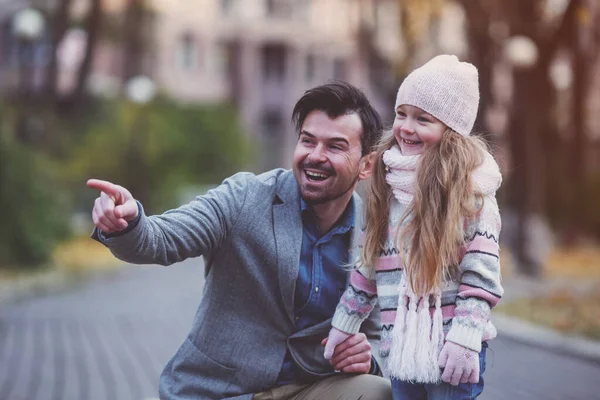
[(321, 278)]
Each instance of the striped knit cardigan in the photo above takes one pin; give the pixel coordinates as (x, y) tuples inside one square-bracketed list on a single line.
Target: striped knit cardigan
[(466, 303)]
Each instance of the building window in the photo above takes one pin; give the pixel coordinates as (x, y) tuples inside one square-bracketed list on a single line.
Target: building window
[(187, 53), (273, 62), (303, 11), (218, 61), (226, 7), (272, 126), (340, 69), (271, 7), (278, 8), (310, 67)]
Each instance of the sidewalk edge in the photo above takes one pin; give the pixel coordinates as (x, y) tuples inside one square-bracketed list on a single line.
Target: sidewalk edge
[(540, 336), (47, 284)]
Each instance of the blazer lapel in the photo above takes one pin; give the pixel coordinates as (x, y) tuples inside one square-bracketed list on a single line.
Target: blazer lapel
[(354, 250), (288, 238)]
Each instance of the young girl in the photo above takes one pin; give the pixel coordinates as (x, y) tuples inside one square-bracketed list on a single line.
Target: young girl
[(430, 254)]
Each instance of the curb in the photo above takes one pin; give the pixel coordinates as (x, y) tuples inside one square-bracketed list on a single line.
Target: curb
[(539, 336), (46, 284)]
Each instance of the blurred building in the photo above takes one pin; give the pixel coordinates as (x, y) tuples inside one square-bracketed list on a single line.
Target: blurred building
[(263, 54), (22, 60)]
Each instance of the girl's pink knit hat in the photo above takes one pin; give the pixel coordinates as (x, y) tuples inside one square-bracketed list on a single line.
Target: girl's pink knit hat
[(446, 88)]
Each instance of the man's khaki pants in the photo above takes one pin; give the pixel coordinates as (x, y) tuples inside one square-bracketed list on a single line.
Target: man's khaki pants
[(338, 387)]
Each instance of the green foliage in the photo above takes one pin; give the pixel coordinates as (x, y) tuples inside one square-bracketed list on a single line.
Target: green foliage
[(157, 149), (33, 209)]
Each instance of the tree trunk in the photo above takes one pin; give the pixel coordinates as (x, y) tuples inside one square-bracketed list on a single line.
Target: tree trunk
[(60, 24), (581, 73), (482, 53), (133, 47), (93, 23)]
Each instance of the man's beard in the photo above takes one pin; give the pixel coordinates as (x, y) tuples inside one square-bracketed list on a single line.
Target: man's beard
[(326, 199)]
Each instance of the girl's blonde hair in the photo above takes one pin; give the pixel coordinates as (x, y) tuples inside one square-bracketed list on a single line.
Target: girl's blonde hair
[(431, 231)]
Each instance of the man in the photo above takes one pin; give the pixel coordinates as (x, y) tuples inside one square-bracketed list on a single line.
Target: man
[(275, 246)]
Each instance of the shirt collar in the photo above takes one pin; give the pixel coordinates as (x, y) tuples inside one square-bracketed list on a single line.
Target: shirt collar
[(344, 223)]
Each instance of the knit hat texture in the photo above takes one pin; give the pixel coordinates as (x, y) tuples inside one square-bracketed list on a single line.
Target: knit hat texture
[(446, 88)]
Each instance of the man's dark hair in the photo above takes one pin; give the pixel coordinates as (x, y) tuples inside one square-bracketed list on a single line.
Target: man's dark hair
[(341, 98)]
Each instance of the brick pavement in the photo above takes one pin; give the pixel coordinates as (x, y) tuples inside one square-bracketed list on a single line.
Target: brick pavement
[(107, 339), (110, 338)]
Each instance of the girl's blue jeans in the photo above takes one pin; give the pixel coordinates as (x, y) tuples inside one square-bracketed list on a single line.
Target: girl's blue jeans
[(441, 391)]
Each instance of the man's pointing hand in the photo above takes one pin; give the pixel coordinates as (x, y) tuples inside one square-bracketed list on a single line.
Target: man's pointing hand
[(114, 208)]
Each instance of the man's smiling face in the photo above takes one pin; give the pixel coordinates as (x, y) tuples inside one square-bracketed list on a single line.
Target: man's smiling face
[(327, 158)]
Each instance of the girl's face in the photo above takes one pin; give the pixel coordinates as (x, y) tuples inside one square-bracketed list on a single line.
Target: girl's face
[(415, 130)]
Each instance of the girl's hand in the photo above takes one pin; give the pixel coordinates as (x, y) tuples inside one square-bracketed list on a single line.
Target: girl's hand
[(335, 337), (460, 364), (352, 355)]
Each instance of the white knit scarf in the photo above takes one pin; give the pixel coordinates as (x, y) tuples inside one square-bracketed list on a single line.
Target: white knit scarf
[(402, 172), (417, 338)]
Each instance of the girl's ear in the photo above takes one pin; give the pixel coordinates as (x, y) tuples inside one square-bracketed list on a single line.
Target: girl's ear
[(366, 165)]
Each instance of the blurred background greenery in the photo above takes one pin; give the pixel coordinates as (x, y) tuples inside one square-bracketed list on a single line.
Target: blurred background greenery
[(168, 97), (154, 151)]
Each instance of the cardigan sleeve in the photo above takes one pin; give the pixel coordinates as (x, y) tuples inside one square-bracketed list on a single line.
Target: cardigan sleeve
[(357, 302), (480, 288)]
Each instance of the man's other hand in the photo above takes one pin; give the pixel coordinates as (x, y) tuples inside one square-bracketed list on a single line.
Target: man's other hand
[(353, 355)]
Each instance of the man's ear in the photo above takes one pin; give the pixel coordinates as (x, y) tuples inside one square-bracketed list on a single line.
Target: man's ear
[(366, 165)]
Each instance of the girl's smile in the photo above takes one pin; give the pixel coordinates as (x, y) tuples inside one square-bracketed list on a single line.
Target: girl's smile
[(415, 129)]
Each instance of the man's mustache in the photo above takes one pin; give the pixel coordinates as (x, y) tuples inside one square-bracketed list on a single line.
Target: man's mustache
[(317, 168)]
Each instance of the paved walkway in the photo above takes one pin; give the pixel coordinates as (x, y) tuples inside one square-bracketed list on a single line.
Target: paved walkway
[(109, 339)]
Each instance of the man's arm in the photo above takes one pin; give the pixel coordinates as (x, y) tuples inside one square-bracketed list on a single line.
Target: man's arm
[(188, 231)]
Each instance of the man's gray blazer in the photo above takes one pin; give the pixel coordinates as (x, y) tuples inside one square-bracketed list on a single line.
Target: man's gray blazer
[(249, 231)]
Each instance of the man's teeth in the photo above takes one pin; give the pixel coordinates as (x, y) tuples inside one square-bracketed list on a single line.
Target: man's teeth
[(315, 175)]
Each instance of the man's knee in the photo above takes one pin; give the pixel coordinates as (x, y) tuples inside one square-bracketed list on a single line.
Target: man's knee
[(354, 387), (370, 387)]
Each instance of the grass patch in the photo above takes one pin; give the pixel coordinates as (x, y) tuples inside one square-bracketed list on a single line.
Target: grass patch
[(580, 262), (74, 257), (11, 274), (564, 310), (577, 262), (573, 304), (83, 254)]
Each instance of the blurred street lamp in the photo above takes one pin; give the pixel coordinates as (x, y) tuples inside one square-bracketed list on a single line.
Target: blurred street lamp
[(521, 51), (561, 74), (28, 24), (140, 89), (27, 27)]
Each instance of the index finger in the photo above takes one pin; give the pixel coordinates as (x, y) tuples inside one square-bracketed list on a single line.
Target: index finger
[(103, 186)]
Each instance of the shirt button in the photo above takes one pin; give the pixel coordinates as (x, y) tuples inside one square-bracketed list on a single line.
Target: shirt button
[(297, 318), (317, 289)]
